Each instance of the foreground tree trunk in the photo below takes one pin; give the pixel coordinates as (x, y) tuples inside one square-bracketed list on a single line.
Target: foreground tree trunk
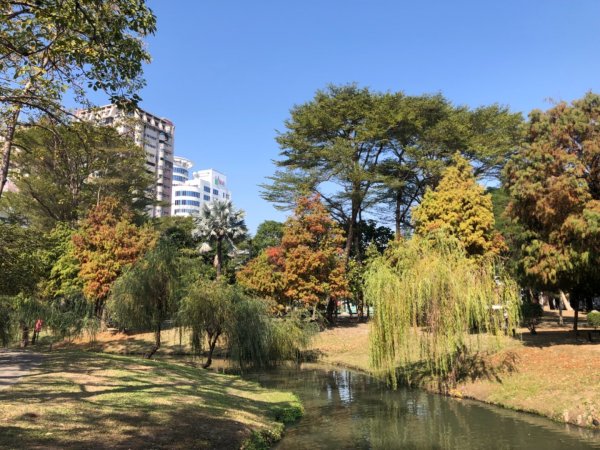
[(11, 125), (576, 315), (212, 342), (24, 335), (331, 307), (219, 255), (156, 346)]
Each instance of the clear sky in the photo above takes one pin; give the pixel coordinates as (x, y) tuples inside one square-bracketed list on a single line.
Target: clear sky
[(227, 72)]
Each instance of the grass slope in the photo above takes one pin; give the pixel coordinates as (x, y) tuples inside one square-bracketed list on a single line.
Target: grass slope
[(97, 401)]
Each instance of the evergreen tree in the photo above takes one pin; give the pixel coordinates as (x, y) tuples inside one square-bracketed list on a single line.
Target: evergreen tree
[(459, 207), (268, 234), (554, 185)]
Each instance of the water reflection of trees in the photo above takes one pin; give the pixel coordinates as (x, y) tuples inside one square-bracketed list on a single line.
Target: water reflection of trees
[(348, 410)]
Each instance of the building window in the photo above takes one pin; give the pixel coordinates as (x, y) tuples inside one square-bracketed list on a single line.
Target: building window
[(216, 191), (187, 202), (207, 198), (186, 211), (206, 189), (179, 178), (187, 194)]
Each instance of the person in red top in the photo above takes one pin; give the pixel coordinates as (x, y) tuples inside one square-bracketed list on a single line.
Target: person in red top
[(36, 330)]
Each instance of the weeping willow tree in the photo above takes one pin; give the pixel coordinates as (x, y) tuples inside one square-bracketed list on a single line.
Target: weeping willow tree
[(433, 305), (214, 310), (147, 294)]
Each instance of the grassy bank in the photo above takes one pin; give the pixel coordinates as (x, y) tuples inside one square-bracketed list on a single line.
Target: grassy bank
[(555, 373), (97, 401)]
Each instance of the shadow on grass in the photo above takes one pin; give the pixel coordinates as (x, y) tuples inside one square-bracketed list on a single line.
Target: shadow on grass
[(104, 401), (464, 367), (548, 338)]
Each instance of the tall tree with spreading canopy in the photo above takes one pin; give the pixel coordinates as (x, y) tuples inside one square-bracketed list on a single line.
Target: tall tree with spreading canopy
[(359, 149), (554, 185), (51, 46), (337, 138), (219, 221), (106, 243), (63, 171), (459, 207), (429, 130)]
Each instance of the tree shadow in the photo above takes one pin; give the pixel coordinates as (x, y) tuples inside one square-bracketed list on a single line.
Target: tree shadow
[(464, 367), (171, 408)]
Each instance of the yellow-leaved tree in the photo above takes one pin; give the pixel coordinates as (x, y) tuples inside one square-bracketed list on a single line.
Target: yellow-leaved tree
[(459, 207)]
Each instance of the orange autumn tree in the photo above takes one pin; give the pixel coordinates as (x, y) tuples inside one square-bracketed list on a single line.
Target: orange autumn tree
[(308, 268), (106, 243), (264, 275)]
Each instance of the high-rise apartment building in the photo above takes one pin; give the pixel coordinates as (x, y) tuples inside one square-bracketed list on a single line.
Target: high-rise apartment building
[(156, 135), (190, 193)]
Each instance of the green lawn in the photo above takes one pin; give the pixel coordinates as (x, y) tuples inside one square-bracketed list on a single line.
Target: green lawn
[(92, 400)]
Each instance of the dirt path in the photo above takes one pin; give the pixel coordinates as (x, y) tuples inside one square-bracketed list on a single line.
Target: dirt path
[(15, 364)]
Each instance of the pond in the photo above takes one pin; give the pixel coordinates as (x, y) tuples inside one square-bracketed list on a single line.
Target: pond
[(350, 410)]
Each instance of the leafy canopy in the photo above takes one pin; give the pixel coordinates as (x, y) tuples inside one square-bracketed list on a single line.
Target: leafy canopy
[(554, 185), (63, 171)]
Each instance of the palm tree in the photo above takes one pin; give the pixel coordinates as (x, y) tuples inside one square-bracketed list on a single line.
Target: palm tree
[(219, 221)]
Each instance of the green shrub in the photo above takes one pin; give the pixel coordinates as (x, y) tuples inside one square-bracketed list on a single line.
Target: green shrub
[(593, 319), (531, 314)]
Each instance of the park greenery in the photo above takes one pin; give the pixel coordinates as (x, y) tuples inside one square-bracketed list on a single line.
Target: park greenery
[(467, 264), (390, 219)]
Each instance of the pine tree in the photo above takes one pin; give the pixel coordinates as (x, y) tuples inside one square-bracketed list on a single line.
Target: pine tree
[(459, 208)]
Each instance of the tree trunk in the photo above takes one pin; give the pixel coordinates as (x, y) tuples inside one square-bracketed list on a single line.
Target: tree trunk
[(561, 321), (348, 306), (360, 309), (156, 343), (351, 228), (24, 335), (11, 125), (398, 215), (331, 306), (565, 301), (219, 256), (212, 342), (576, 315)]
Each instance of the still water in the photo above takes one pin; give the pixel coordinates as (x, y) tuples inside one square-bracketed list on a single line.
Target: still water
[(349, 410)]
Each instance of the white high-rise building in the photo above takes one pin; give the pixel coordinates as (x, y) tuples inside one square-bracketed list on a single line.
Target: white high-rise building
[(157, 137), (190, 193)]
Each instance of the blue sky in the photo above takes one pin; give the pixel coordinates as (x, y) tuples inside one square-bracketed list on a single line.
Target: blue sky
[(227, 72)]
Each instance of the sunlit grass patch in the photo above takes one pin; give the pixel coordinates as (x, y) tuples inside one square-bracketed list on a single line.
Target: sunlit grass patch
[(88, 400)]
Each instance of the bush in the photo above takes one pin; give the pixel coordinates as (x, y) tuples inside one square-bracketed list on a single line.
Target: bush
[(593, 319), (531, 313)]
